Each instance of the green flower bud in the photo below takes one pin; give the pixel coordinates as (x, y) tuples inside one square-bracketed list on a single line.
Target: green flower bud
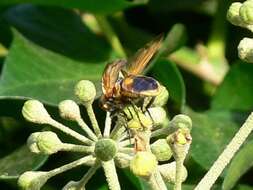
[(166, 122), (32, 180), (181, 121), (105, 149), (69, 110), (158, 115), (32, 142), (45, 142), (48, 142), (181, 137), (34, 111), (246, 12), (245, 50), (233, 14), (168, 172), (85, 90), (161, 150), (143, 164), (140, 122), (162, 98)]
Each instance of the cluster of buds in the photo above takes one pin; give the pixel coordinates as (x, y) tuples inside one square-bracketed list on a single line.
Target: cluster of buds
[(139, 140), (241, 14)]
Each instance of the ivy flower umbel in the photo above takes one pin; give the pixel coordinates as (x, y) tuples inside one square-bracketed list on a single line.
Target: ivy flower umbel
[(113, 147), (241, 14)]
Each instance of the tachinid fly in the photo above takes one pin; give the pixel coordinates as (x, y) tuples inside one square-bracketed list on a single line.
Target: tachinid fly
[(122, 82)]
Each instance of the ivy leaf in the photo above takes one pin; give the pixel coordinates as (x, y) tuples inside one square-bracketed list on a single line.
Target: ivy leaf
[(238, 86), (168, 74), (100, 6), (59, 30), (31, 71), (212, 129), (20, 161), (241, 163)]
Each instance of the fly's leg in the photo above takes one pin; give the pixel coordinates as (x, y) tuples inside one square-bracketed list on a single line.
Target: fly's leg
[(137, 114), (148, 106), (125, 117)]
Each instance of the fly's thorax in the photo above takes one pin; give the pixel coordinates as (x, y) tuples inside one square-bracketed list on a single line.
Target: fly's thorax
[(139, 86), (106, 103)]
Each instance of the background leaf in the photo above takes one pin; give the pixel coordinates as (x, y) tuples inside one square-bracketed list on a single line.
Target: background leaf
[(214, 130), (240, 164), (100, 6), (167, 73), (31, 71), (235, 93), (59, 30), (20, 161)]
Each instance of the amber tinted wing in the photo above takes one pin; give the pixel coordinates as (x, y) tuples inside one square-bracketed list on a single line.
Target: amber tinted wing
[(110, 76), (140, 60)]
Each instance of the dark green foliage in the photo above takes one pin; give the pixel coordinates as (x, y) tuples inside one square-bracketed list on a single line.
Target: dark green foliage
[(50, 48)]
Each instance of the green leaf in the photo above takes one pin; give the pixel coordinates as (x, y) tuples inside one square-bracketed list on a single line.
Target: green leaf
[(31, 71), (100, 6), (134, 38), (235, 93), (168, 74), (212, 129), (59, 30), (20, 161), (241, 163), (164, 6), (135, 181), (175, 39), (244, 187), (131, 37)]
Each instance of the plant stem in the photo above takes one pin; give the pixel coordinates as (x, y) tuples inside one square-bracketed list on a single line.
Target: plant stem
[(211, 176), (69, 166), (179, 172), (88, 131), (93, 119), (117, 131), (111, 175), (108, 123), (126, 150), (77, 148), (110, 35), (126, 142), (70, 132), (156, 182), (88, 175), (216, 42)]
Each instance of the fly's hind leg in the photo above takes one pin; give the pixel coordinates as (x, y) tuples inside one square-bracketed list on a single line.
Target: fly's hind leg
[(148, 105), (136, 113), (125, 117)]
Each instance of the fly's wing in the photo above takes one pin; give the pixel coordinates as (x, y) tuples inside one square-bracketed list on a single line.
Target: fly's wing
[(140, 60), (110, 76)]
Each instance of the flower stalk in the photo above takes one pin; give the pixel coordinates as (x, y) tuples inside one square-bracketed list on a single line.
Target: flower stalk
[(225, 157), (93, 120), (111, 175)]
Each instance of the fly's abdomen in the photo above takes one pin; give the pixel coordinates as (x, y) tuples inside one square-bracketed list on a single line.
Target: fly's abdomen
[(140, 86)]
